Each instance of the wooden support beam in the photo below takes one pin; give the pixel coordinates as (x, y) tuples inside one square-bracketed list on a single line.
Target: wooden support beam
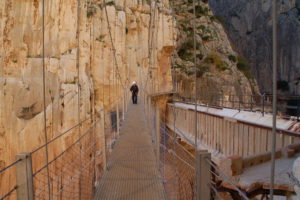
[(203, 175), (103, 140), (24, 177)]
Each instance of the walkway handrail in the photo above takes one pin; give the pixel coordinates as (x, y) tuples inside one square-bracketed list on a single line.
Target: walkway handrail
[(226, 178), (279, 130), (257, 102), (59, 155), (60, 135)]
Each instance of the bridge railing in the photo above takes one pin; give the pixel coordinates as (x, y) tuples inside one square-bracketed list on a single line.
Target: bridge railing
[(186, 173), (75, 161), (287, 105), (226, 135)]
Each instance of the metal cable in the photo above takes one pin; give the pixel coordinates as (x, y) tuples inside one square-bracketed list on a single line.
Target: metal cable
[(9, 166), (113, 48), (216, 191), (44, 98), (60, 135), (78, 83), (272, 174), (150, 42), (227, 179), (9, 193)]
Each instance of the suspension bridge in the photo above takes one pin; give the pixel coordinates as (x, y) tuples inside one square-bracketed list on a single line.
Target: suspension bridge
[(165, 147)]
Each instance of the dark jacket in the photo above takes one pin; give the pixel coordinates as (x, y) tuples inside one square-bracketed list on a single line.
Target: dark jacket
[(134, 89)]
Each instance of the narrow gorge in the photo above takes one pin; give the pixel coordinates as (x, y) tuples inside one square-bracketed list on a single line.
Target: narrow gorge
[(66, 67)]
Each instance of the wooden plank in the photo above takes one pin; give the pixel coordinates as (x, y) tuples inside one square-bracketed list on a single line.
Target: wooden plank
[(245, 140), (240, 139), (230, 138), (236, 139), (215, 133), (269, 140), (227, 137), (218, 134), (222, 142), (251, 142), (24, 177), (264, 140), (279, 141), (210, 131), (257, 147)]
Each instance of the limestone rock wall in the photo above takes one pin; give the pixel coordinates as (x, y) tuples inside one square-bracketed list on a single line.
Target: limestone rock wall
[(219, 74), (249, 26), (76, 84)]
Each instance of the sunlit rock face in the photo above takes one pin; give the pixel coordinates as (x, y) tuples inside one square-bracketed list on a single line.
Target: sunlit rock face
[(249, 26), (218, 73), (74, 82)]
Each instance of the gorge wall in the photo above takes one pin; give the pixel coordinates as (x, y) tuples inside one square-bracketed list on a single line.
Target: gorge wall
[(249, 26), (82, 73), (221, 71)]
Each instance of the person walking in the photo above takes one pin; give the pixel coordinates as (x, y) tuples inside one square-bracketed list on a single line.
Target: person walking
[(134, 90)]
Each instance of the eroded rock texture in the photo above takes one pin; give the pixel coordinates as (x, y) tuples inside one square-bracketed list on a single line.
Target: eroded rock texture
[(81, 71), (249, 25), (221, 72)]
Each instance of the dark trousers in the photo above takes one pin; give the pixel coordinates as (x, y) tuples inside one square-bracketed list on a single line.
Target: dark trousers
[(134, 98)]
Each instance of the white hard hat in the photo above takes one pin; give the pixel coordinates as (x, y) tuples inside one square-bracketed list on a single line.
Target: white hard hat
[(133, 82)]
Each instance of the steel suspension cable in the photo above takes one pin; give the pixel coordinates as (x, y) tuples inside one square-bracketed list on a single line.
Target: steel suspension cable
[(114, 49), (195, 68), (78, 2), (272, 178), (44, 99), (196, 188), (150, 42)]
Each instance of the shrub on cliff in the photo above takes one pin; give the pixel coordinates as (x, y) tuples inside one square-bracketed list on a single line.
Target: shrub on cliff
[(216, 60), (243, 66), (232, 58)]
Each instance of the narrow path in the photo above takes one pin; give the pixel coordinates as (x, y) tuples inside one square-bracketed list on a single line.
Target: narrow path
[(132, 169)]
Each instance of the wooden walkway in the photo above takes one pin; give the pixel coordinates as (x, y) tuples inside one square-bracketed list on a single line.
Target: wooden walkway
[(132, 169)]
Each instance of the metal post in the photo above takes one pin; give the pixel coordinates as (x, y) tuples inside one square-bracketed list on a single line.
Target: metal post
[(118, 120), (298, 109), (251, 103), (195, 67), (103, 140), (263, 105), (274, 98), (203, 175), (157, 125), (123, 110), (24, 177), (239, 104)]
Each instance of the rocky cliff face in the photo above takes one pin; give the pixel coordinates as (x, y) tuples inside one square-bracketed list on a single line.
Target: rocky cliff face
[(82, 72), (221, 71), (249, 25)]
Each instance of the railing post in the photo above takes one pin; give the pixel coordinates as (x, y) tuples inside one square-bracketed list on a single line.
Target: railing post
[(24, 177), (203, 175), (123, 110), (157, 125), (263, 105), (239, 103), (251, 102), (103, 140), (118, 120)]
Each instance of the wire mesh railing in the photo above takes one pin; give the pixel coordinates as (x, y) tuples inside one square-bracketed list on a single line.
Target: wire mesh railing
[(186, 172), (217, 177), (75, 162), (288, 105), (10, 188), (178, 166), (69, 170)]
